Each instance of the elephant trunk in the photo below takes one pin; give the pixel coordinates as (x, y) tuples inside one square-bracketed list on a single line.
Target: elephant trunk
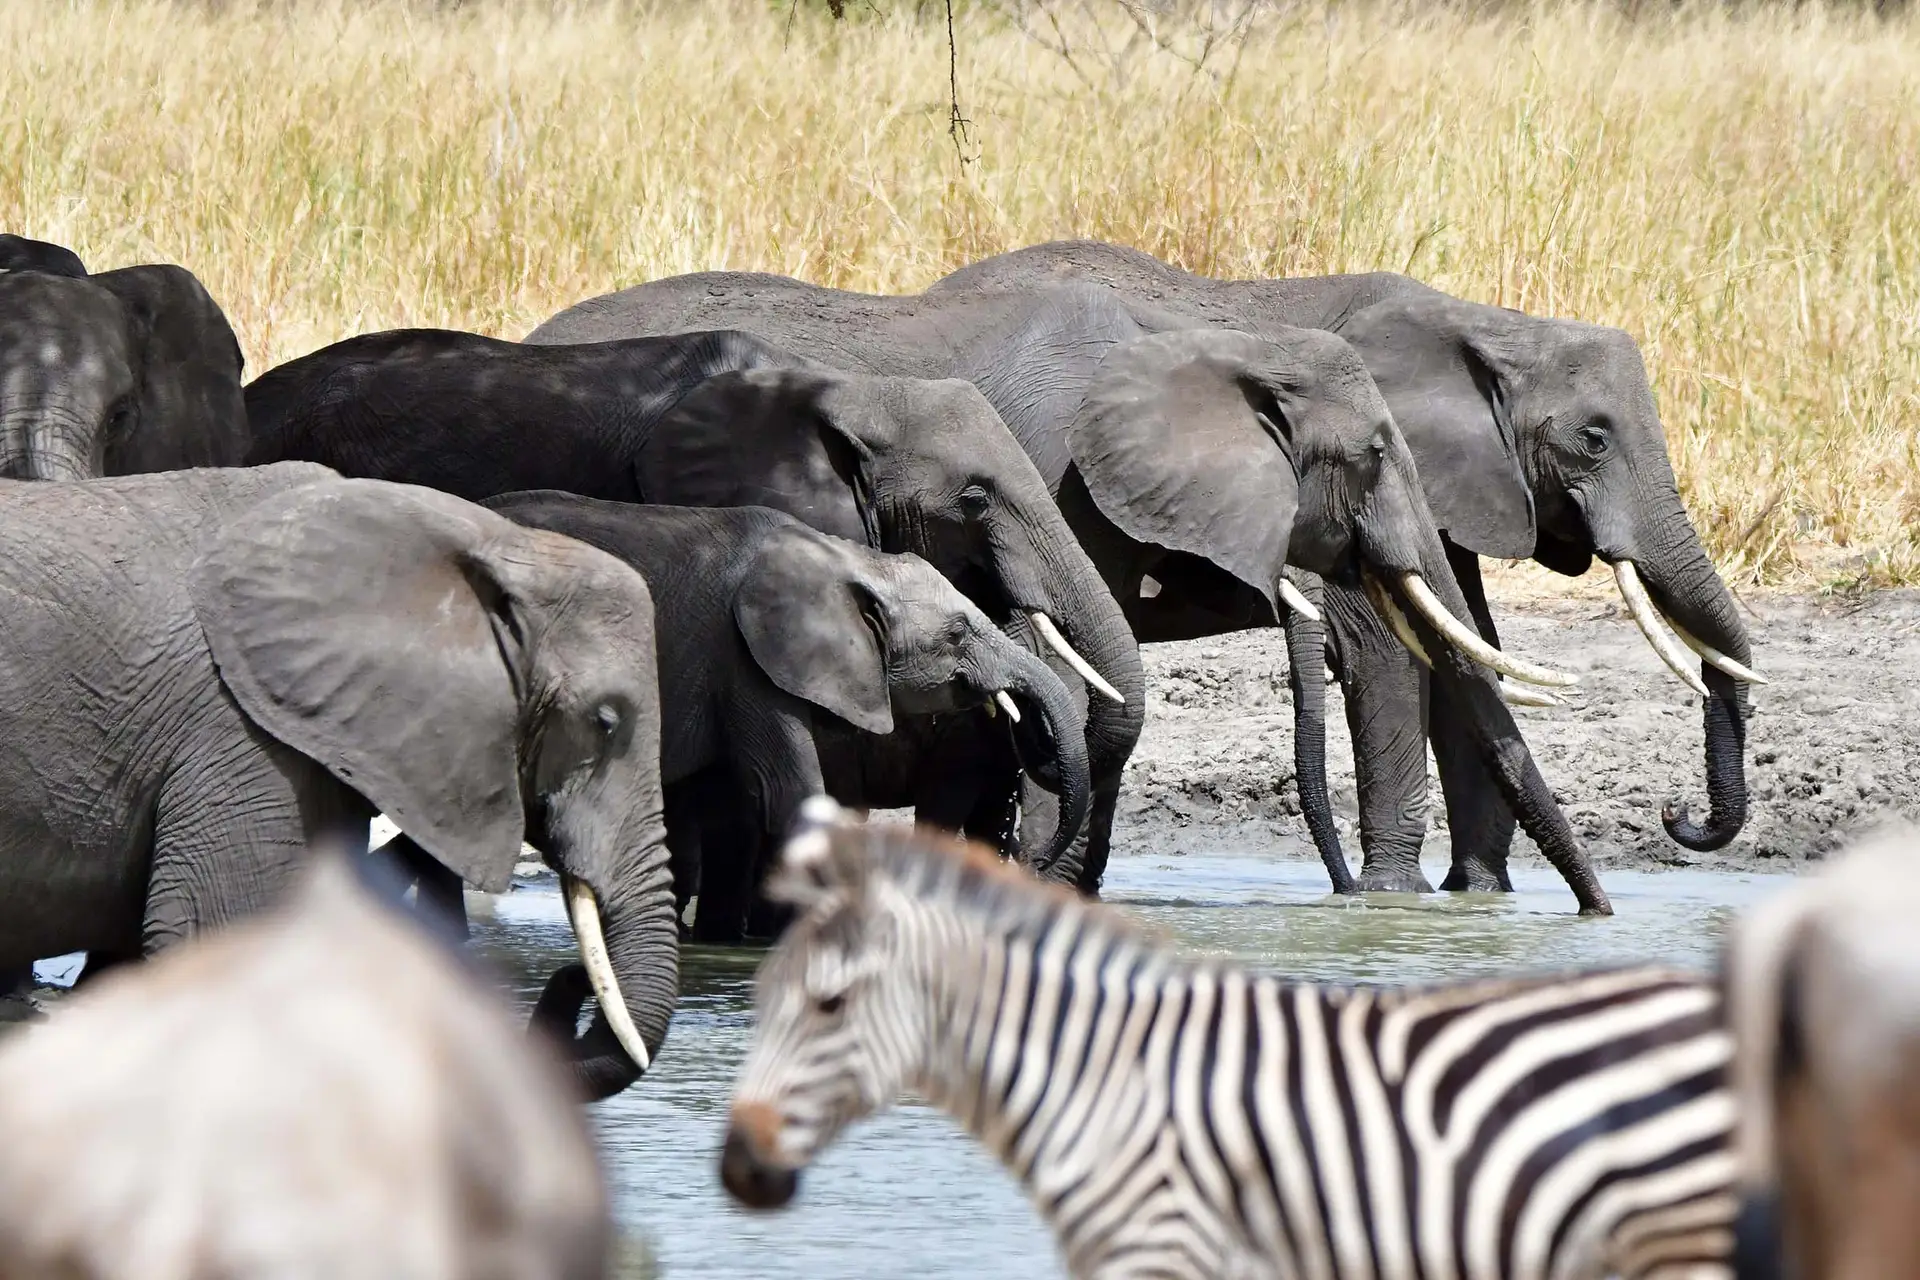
[(632, 966), (1090, 620), (1682, 591), (1036, 683), (1306, 657), (42, 443), (1476, 689)]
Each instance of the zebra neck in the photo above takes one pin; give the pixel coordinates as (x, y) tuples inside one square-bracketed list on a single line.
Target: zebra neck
[(1040, 1042)]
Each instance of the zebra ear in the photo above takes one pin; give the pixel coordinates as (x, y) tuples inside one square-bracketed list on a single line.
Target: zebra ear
[(825, 859)]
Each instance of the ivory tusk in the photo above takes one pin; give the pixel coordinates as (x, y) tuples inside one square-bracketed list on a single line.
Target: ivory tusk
[(1383, 605), (585, 913), (1714, 658), (1007, 704), (1647, 618), (1468, 641), (1297, 601), (1328, 676), (1081, 667), (1521, 696)]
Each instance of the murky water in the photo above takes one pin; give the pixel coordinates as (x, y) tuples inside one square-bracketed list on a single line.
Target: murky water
[(909, 1195)]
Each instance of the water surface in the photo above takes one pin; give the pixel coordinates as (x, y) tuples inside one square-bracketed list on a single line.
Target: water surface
[(908, 1194)]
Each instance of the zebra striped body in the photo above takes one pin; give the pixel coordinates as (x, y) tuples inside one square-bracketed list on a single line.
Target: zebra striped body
[(1173, 1117)]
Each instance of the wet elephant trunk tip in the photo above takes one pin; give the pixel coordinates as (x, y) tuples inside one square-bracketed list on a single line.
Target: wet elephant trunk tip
[(1033, 680)]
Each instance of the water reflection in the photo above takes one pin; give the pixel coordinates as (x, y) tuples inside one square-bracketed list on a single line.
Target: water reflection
[(908, 1195)]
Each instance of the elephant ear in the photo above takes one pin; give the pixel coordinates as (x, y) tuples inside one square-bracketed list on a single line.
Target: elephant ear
[(815, 626), (1447, 370), (372, 628), (1184, 442), (779, 438), (192, 412)]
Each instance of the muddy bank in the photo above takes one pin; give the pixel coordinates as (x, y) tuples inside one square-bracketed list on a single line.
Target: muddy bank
[(1833, 744)]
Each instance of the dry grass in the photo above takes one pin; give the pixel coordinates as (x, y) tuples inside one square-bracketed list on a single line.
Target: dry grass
[(1739, 192)]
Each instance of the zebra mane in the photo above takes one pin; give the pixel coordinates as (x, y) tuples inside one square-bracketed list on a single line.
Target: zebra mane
[(938, 869)]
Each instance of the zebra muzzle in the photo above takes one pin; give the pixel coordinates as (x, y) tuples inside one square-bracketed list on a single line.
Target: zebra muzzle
[(747, 1174)]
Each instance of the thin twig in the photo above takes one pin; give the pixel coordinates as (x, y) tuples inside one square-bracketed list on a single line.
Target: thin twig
[(958, 125)]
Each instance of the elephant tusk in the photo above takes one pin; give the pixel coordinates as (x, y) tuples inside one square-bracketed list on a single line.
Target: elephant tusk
[(1647, 618), (1297, 601), (1520, 696), (585, 913), (1383, 605), (1081, 667), (1007, 704), (1327, 674), (1714, 658), (1468, 641)]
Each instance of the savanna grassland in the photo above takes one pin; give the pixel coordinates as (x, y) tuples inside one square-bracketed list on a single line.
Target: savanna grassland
[(1739, 190)]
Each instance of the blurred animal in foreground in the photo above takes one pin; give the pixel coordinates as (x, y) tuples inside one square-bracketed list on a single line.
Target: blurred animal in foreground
[(319, 1092), (1823, 994), (1183, 1117)]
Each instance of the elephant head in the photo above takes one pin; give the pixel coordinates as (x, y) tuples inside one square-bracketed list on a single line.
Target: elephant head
[(128, 371), (1540, 438), (863, 633), (1258, 452), (904, 464), (481, 684)]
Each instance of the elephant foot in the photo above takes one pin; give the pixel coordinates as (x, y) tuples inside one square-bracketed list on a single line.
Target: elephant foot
[(1474, 875), (1395, 877), (767, 921)]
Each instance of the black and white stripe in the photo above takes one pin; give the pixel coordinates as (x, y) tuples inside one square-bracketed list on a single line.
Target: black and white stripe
[(1174, 1117)]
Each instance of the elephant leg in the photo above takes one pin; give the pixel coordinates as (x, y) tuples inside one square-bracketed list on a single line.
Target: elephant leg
[(684, 831), (1386, 697), (229, 829), (1478, 818), (16, 1004), (439, 893), (727, 856)]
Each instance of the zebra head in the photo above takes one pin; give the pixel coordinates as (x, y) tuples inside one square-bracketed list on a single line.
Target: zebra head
[(841, 1025)]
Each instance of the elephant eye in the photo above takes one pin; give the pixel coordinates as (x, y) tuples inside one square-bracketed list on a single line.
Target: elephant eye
[(974, 499), (1594, 440), (120, 419), (607, 717)]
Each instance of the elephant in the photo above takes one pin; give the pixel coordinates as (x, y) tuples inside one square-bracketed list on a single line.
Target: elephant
[(723, 419), (208, 668), (18, 253), (120, 373), (765, 624), (319, 1091), (1822, 987), (1208, 528), (1535, 438)]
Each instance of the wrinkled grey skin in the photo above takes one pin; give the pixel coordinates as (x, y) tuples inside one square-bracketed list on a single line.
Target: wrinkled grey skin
[(120, 373), (769, 631), (1534, 438), (319, 1091), (210, 668), (725, 419)]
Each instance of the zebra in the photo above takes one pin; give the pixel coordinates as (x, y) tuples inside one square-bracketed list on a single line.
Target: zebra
[(1171, 1116)]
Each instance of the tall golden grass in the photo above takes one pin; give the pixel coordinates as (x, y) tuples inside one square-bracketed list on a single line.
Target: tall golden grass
[(1740, 191)]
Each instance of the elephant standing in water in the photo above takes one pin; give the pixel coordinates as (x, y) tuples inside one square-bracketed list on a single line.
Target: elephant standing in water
[(120, 373), (724, 419), (1174, 454), (1534, 438), (320, 1091), (208, 668), (772, 635)]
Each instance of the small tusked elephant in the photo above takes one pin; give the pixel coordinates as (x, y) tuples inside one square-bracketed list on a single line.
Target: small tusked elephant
[(319, 1091), (124, 372), (768, 635), (206, 669), (722, 420)]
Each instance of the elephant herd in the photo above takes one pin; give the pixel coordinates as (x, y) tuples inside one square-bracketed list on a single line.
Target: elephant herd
[(630, 589)]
